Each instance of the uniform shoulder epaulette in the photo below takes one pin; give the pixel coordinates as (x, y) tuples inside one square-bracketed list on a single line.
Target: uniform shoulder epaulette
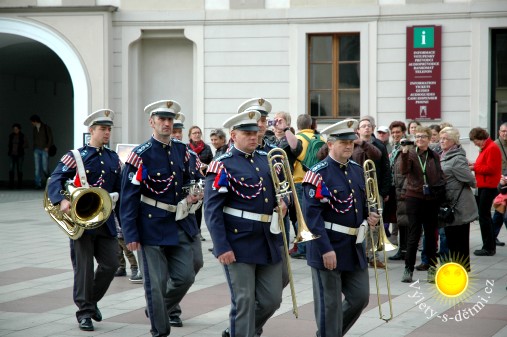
[(225, 155), (140, 149), (261, 152), (354, 163), (319, 166), (177, 141)]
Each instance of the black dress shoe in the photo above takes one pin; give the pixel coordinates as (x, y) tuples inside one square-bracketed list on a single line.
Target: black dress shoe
[(499, 243), (398, 256), (175, 321), (86, 324), (423, 267), (97, 316), (226, 333), (484, 252)]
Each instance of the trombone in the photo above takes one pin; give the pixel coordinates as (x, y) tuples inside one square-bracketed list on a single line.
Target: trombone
[(284, 185), (375, 205)]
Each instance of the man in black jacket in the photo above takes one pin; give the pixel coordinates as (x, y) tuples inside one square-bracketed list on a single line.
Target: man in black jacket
[(383, 170)]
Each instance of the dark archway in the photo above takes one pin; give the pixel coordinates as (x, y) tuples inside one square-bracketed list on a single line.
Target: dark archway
[(33, 80)]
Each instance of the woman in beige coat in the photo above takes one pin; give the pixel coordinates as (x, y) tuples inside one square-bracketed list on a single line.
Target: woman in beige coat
[(458, 177)]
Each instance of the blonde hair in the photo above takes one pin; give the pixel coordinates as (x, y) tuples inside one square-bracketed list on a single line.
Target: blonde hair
[(284, 115), (452, 133)]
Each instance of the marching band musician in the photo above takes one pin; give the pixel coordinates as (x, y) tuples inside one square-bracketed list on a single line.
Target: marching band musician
[(102, 169), (152, 186), (189, 223), (238, 207), (264, 107), (335, 208)]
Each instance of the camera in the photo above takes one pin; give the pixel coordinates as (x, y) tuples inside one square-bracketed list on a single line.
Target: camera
[(405, 142), (272, 122)]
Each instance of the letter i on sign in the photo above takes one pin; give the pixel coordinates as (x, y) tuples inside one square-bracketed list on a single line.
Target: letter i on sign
[(423, 38)]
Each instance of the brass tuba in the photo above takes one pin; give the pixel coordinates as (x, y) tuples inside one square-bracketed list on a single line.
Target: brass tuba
[(90, 208), (284, 185), (375, 205)]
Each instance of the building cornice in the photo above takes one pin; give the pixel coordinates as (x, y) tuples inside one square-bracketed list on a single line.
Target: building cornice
[(58, 9)]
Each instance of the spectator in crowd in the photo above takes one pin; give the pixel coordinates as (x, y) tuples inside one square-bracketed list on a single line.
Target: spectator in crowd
[(203, 150), (16, 153), (397, 201), (135, 275), (422, 169), (383, 135), (458, 179), (219, 142), (488, 171), (42, 141), (365, 131), (498, 218), (411, 125), (285, 139), (304, 125)]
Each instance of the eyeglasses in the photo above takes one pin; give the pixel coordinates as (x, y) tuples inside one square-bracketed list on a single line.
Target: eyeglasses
[(364, 126), (421, 136)]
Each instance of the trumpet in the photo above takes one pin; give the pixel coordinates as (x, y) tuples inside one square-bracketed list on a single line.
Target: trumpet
[(284, 186), (375, 205)]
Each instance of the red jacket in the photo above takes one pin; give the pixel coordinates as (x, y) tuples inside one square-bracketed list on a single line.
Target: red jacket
[(488, 166)]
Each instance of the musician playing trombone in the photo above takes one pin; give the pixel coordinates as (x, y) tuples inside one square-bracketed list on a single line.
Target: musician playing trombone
[(238, 207), (99, 167), (335, 208)]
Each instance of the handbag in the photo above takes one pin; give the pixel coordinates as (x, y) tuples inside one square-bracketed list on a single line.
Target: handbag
[(446, 211)]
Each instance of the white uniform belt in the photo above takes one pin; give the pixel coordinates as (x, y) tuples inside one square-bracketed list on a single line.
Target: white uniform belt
[(247, 215), (341, 229), (158, 204)]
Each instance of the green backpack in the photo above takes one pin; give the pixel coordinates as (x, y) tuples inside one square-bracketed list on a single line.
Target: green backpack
[(314, 145)]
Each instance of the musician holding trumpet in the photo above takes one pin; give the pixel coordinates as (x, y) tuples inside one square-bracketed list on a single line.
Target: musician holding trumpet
[(95, 166), (238, 207), (335, 207)]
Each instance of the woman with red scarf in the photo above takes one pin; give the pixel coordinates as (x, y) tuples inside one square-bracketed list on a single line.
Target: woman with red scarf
[(203, 150)]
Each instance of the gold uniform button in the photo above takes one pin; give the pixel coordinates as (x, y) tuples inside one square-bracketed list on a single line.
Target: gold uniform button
[(100, 153), (102, 162), (242, 179), (356, 210), (346, 173), (257, 169), (174, 173), (355, 200), (87, 171), (335, 191), (169, 152), (350, 181), (266, 200), (264, 188), (158, 174), (103, 171), (176, 193), (172, 162), (175, 183), (251, 160), (262, 178), (163, 146), (149, 216), (235, 231), (353, 191)]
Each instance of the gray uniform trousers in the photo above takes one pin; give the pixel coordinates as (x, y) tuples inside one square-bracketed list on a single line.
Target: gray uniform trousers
[(160, 262), (89, 285), (256, 293), (333, 317), (175, 311)]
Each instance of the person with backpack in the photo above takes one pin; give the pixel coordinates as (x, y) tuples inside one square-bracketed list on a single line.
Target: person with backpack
[(311, 142)]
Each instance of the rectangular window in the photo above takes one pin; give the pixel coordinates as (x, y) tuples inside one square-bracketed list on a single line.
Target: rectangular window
[(334, 85)]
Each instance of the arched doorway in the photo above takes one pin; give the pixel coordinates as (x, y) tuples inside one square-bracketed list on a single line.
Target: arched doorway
[(40, 74)]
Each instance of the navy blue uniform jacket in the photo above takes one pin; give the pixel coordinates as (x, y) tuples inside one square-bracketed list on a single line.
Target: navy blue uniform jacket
[(102, 167), (157, 171), (346, 207), (250, 189)]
